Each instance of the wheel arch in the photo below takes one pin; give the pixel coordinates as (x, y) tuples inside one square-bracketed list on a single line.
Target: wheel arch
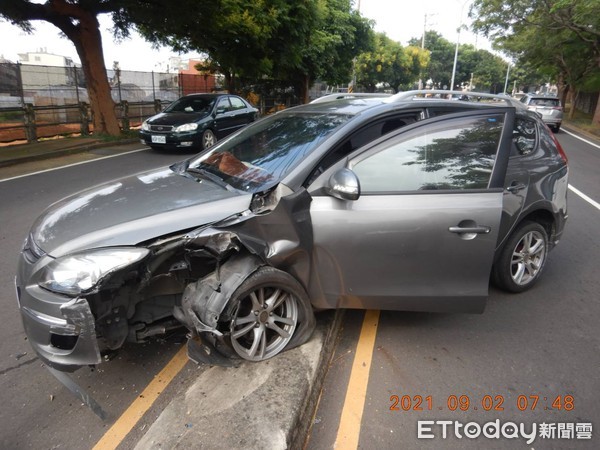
[(541, 215)]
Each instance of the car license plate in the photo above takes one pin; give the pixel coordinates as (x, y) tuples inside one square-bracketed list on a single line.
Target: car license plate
[(157, 139)]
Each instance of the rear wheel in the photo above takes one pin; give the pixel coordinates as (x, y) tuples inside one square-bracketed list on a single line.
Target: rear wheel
[(556, 128), (266, 311), (522, 259), (208, 139)]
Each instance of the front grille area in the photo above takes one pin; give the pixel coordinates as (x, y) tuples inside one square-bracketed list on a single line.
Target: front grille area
[(161, 128)]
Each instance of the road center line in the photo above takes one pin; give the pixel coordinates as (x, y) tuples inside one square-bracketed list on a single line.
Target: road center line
[(581, 139), (356, 393), (124, 424), (73, 165), (585, 197)]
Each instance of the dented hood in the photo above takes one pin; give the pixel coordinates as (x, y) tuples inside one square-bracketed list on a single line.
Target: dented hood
[(134, 209)]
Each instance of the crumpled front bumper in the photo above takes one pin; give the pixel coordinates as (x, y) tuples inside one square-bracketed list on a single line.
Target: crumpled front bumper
[(60, 329)]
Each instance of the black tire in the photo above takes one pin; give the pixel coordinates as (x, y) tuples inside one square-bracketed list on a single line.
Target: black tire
[(522, 259), (556, 128), (266, 312), (208, 139)]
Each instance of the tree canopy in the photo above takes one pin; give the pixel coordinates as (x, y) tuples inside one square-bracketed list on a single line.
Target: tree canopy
[(296, 41), (560, 38), (390, 65), (488, 70)]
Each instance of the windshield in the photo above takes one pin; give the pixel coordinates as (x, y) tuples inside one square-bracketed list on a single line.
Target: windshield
[(264, 153), (191, 104)]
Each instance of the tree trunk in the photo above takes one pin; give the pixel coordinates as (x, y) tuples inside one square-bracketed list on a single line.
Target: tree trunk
[(304, 88), (88, 43), (596, 118), (574, 98)]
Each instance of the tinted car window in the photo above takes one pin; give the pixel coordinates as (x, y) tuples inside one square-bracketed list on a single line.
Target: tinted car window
[(454, 154), (191, 104), (223, 104), (524, 136), (544, 102), (261, 155), (237, 103)]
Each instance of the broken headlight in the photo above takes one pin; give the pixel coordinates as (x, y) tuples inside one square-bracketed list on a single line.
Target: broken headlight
[(76, 273)]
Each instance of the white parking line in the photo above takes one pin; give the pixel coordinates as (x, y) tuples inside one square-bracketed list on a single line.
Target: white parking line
[(585, 197), (72, 165), (581, 139)]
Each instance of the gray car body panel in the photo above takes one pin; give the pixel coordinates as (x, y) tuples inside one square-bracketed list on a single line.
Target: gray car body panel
[(133, 209), (334, 248)]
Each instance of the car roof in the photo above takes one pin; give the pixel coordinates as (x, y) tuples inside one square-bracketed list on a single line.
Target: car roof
[(404, 100)]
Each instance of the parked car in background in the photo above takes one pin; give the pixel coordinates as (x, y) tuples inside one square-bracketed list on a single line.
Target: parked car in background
[(197, 121), (398, 203), (546, 106)]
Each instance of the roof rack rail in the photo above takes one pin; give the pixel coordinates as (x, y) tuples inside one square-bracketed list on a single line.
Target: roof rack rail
[(348, 95), (445, 94)]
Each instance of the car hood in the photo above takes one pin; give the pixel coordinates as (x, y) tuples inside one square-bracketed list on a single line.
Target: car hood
[(176, 118), (134, 209)]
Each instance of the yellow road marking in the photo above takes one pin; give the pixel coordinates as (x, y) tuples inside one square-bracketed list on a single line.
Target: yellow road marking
[(349, 429), (124, 424)]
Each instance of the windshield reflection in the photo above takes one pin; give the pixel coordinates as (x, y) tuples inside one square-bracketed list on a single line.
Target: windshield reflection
[(264, 153)]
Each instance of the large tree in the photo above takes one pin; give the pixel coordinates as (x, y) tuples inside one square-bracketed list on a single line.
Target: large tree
[(441, 51), (78, 20), (389, 64), (561, 37), (296, 41)]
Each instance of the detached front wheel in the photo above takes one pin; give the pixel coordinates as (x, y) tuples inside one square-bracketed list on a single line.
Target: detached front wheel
[(523, 258), (265, 315)]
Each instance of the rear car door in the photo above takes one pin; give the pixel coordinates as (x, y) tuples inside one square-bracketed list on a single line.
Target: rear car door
[(422, 235), (225, 118)]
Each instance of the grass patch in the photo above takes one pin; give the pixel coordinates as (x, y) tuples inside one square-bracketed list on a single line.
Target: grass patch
[(582, 121)]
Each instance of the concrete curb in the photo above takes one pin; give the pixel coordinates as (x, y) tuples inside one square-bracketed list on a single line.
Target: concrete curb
[(304, 423), (268, 405)]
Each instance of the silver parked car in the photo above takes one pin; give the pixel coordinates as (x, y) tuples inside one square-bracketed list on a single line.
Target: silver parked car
[(548, 107), (395, 203)]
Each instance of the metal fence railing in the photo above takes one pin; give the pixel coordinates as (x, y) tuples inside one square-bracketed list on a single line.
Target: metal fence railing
[(46, 101), (43, 101)]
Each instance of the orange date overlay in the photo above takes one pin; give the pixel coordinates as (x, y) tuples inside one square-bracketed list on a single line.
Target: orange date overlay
[(484, 403)]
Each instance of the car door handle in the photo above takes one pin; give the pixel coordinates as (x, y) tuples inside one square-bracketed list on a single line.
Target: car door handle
[(515, 187), (478, 230)]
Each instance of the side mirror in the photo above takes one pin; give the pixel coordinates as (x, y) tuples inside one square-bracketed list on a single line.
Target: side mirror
[(344, 185)]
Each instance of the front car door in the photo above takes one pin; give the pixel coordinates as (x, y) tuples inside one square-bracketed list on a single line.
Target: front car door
[(422, 235)]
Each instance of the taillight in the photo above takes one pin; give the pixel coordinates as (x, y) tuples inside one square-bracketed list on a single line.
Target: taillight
[(558, 108), (561, 152)]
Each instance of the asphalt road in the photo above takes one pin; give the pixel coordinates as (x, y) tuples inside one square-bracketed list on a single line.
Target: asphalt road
[(36, 411), (544, 343)]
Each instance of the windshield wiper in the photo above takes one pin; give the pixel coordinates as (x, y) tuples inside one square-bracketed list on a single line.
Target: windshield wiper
[(210, 176)]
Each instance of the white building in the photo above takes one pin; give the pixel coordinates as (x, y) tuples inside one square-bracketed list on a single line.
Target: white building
[(43, 58)]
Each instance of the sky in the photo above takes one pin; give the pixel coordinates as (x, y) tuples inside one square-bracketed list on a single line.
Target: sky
[(401, 20)]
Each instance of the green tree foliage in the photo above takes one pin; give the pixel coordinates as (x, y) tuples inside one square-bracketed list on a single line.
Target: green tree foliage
[(560, 38), (390, 65), (296, 41), (488, 70), (441, 58)]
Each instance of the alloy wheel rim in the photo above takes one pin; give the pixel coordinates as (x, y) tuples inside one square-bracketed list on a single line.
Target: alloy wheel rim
[(528, 258), (209, 139), (264, 323)]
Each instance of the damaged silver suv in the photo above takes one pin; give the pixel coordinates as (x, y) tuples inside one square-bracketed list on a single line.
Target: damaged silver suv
[(397, 203)]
